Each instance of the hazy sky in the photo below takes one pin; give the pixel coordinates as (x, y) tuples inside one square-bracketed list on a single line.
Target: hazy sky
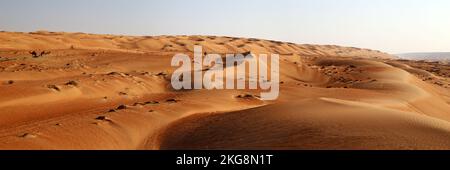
[(394, 26)]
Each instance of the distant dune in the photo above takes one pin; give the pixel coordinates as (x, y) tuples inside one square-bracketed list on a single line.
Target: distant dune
[(85, 91), (437, 56), (63, 41)]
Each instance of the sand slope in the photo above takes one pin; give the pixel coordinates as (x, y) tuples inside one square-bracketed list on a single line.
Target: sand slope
[(113, 92)]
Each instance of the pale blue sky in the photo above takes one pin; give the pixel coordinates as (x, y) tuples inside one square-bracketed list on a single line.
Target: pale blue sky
[(394, 26)]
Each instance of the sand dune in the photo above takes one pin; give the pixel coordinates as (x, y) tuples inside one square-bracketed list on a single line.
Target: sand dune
[(91, 91)]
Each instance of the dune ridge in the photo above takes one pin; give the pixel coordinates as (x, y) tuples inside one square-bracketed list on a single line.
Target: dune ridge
[(90, 91)]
